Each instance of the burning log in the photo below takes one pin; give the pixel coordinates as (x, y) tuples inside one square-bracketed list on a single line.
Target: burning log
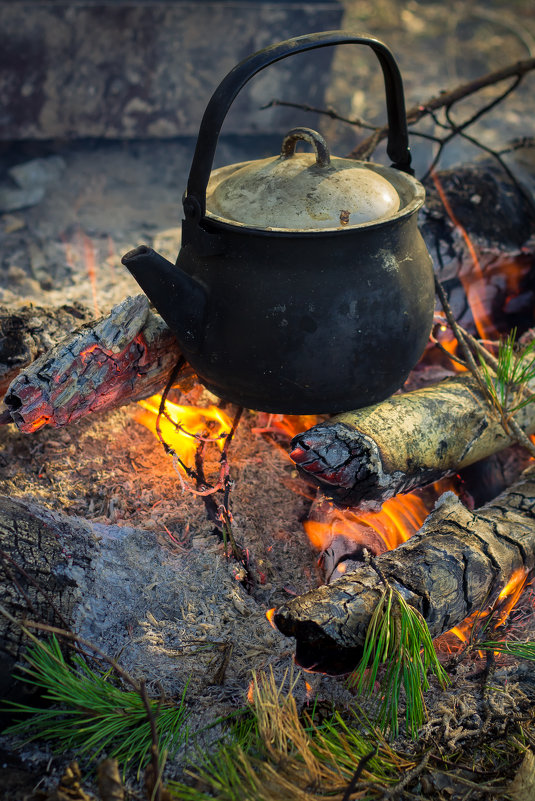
[(369, 455), (125, 356), (28, 332), (129, 354), (459, 561)]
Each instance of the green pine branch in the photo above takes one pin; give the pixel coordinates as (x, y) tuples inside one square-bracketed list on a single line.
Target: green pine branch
[(91, 714), (399, 653), (514, 370)]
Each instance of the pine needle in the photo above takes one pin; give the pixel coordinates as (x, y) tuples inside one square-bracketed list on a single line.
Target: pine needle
[(94, 714), (397, 642), (278, 755), (519, 650), (514, 370)]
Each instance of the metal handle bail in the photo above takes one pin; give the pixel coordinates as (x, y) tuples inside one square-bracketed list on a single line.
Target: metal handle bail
[(223, 97)]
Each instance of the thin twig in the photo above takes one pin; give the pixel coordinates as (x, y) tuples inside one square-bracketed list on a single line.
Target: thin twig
[(509, 424), (326, 112), (416, 113), (407, 779), (360, 767)]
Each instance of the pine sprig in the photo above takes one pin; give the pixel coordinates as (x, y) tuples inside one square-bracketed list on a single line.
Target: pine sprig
[(519, 650), (515, 368), (397, 640), (93, 714), (277, 754)]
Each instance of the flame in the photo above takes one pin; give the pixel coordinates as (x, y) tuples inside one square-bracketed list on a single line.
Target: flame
[(185, 426), (289, 424), (270, 614), (506, 601), (474, 284), (250, 693), (399, 519)]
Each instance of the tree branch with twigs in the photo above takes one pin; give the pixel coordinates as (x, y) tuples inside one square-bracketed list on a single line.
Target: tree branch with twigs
[(444, 101)]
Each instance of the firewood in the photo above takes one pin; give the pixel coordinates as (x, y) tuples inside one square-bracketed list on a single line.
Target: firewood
[(41, 554), (364, 457), (98, 364), (127, 355), (29, 331), (457, 563)]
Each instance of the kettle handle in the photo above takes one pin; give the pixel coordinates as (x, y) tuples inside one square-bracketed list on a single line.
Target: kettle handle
[(225, 94)]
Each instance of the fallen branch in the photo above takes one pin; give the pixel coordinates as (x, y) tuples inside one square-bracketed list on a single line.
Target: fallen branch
[(125, 356), (458, 563)]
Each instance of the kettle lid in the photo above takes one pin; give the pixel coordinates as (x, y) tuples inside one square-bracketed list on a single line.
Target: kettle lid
[(303, 191)]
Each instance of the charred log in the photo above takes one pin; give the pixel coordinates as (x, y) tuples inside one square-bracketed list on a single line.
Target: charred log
[(367, 456), (125, 356), (28, 332), (41, 554), (457, 563), (492, 213)]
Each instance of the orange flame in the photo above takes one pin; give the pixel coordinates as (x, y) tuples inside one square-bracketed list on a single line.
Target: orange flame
[(270, 614), (506, 601), (399, 519), (185, 426), (289, 424)]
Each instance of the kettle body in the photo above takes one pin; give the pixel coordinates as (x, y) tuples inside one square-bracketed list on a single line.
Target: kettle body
[(297, 320)]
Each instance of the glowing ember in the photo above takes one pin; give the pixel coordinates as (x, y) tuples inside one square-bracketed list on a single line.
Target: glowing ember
[(185, 427)]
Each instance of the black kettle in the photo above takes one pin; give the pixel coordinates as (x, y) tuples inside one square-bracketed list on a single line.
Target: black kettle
[(303, 284)]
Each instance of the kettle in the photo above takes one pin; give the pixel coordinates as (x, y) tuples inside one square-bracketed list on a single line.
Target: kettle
[(302, 285)]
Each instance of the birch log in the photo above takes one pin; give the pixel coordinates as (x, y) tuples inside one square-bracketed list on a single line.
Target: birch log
[(124, 356), (364, 457), (457, 563)]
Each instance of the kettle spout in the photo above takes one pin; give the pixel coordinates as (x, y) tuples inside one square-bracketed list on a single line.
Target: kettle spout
[(179, 298)]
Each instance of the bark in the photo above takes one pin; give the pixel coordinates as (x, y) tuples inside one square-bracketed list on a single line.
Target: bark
[(125, 356), (41, 554), (369, 455), (28, 332), (457, 563)]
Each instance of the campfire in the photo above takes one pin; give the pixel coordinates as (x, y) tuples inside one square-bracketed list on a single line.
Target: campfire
[(151, 520)]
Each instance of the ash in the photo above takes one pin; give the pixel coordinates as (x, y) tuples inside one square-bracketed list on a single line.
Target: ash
[(161, 595)]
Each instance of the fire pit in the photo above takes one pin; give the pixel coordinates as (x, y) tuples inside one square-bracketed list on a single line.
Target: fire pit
[(171, 570)]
